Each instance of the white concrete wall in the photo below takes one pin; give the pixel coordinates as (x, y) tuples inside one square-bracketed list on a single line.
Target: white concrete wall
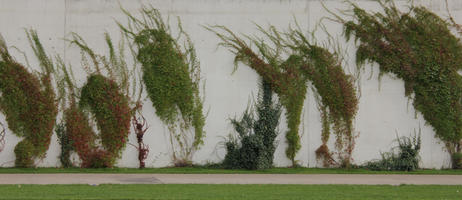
[(383, 113)]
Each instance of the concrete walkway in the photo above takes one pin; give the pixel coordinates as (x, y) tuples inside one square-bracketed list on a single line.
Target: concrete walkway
[(229, 179)]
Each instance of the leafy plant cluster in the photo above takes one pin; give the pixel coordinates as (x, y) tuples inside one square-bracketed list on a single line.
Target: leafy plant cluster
[(28, 102), (140, 127), (457, 160), (2, 137), (171, 74), (254, 146), (109, 105), (66, 145), (289, 77), (407, 158), (336, 95), (418, 47)]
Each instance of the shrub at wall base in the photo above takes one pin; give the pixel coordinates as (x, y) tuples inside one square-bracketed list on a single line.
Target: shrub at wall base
[(406, 159), (254, 146)]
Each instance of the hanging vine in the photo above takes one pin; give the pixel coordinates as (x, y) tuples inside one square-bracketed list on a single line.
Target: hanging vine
[(336, 97), (289, 77), (418, 47), (2, 137), (171, 74), (106, 98), (28, 102), (140, 126)]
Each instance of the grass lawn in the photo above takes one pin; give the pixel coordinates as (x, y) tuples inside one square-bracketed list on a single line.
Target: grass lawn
[(253, 192), (208, 170)]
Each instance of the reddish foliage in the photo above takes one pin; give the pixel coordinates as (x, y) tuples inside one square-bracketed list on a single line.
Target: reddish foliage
[(140, 126), (112, 113), (28, 102)]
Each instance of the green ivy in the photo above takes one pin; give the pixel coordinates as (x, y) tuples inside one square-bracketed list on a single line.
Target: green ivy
[(289, 77), (106, 100), (171, 75), (28, 102), (110, 108), (254, 146), (336, 97), (66, 145), (418, 47)]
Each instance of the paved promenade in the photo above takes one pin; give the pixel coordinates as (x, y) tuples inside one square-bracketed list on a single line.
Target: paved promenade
[(230, 179)]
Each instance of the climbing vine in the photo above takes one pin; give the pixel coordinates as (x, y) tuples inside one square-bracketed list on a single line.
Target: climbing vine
[(418, 47), (254, 146), (2, 137), (28, 102), (289, 77), (171, 74), (140, 127), (66, 145), (106, 100)]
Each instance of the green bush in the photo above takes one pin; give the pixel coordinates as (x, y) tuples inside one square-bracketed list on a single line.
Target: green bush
[(24, 152), (407, 158), (66, 145), (254, 146), (98, 158), (457, 160)]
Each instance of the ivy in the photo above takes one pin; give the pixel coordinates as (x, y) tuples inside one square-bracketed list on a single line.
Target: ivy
[(171, 74), (289, 77), (107, 102), (254, 147), (102, 97), (336, 97), (28, 102), (418, 47), (66, 145)]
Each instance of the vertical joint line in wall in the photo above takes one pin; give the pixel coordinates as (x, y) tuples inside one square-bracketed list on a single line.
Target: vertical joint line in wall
[(307, 106), (64, 30)]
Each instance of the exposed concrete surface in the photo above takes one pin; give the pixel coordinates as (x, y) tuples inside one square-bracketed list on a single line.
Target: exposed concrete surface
[(230, 179), (384, 114)]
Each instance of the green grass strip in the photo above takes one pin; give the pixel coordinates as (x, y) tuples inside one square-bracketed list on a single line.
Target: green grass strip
[(253, 192)]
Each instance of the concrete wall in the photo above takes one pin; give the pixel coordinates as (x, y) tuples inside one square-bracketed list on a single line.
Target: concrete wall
[(383, 114)]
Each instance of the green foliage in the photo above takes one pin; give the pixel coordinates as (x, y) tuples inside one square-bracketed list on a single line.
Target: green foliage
[(82, 135), (288, 78), (231, 191), (457, 160), (254, 146), (407, 158), (106, 100), (28, 102), (24, 152), (66, 145), (336, 97), (418, 47), (110, 108), (171, 75)]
